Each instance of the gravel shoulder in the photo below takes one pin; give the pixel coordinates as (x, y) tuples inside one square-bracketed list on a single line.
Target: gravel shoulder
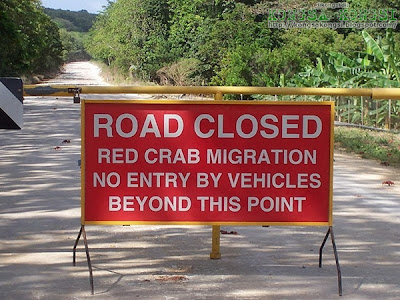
[(40, 220)]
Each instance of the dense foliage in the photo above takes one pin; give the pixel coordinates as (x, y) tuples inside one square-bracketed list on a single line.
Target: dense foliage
[(227, 42), (73, 46), (30, 40)]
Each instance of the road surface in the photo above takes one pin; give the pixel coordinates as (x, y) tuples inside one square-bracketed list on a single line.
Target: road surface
[(40, 220)]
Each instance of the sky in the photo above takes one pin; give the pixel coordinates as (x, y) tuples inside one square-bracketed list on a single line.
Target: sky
[(92, 6)]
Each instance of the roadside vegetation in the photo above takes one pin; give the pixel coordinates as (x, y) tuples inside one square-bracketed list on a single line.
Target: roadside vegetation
[(225, 42), (381, 146), (30, 41), (36, 42)]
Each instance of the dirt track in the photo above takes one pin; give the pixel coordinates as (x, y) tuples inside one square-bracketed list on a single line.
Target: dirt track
[(40, 219)]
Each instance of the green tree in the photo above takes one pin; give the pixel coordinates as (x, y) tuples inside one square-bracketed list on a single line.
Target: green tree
[(30, 40), (73, 45), (132, 35)]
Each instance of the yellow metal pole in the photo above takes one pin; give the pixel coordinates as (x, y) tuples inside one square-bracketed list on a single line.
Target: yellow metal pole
[(385, 93), (216, 233), (215, 248), (218, 96), (218, 91)]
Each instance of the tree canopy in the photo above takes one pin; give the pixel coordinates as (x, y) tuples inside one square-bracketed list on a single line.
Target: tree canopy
[(222, 42), (30, 40)]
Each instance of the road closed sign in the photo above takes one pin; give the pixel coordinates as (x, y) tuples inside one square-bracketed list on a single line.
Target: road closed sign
[(207, 162)]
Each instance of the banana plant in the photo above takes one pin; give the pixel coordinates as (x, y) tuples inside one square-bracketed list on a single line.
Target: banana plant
[(377, 66), (383, 50), (386, 66)]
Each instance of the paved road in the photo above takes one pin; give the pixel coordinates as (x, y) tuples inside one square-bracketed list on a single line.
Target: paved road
[(40, 219)]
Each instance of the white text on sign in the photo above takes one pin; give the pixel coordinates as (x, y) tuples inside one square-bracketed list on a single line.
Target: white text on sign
[(266, 126)]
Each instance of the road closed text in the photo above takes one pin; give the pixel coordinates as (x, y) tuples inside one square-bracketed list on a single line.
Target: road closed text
[(206, 126)]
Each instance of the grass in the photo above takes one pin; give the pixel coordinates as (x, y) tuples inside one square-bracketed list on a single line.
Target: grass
[(381, 146)]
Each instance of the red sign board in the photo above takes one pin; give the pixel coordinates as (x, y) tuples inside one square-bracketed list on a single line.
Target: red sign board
[(207, 162)]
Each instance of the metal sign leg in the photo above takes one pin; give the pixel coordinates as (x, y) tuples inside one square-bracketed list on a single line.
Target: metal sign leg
[(339, 273), (75, 245), (83, 232)]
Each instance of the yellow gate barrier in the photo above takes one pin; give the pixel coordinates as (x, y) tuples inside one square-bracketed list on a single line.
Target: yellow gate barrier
[(67, 90)]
